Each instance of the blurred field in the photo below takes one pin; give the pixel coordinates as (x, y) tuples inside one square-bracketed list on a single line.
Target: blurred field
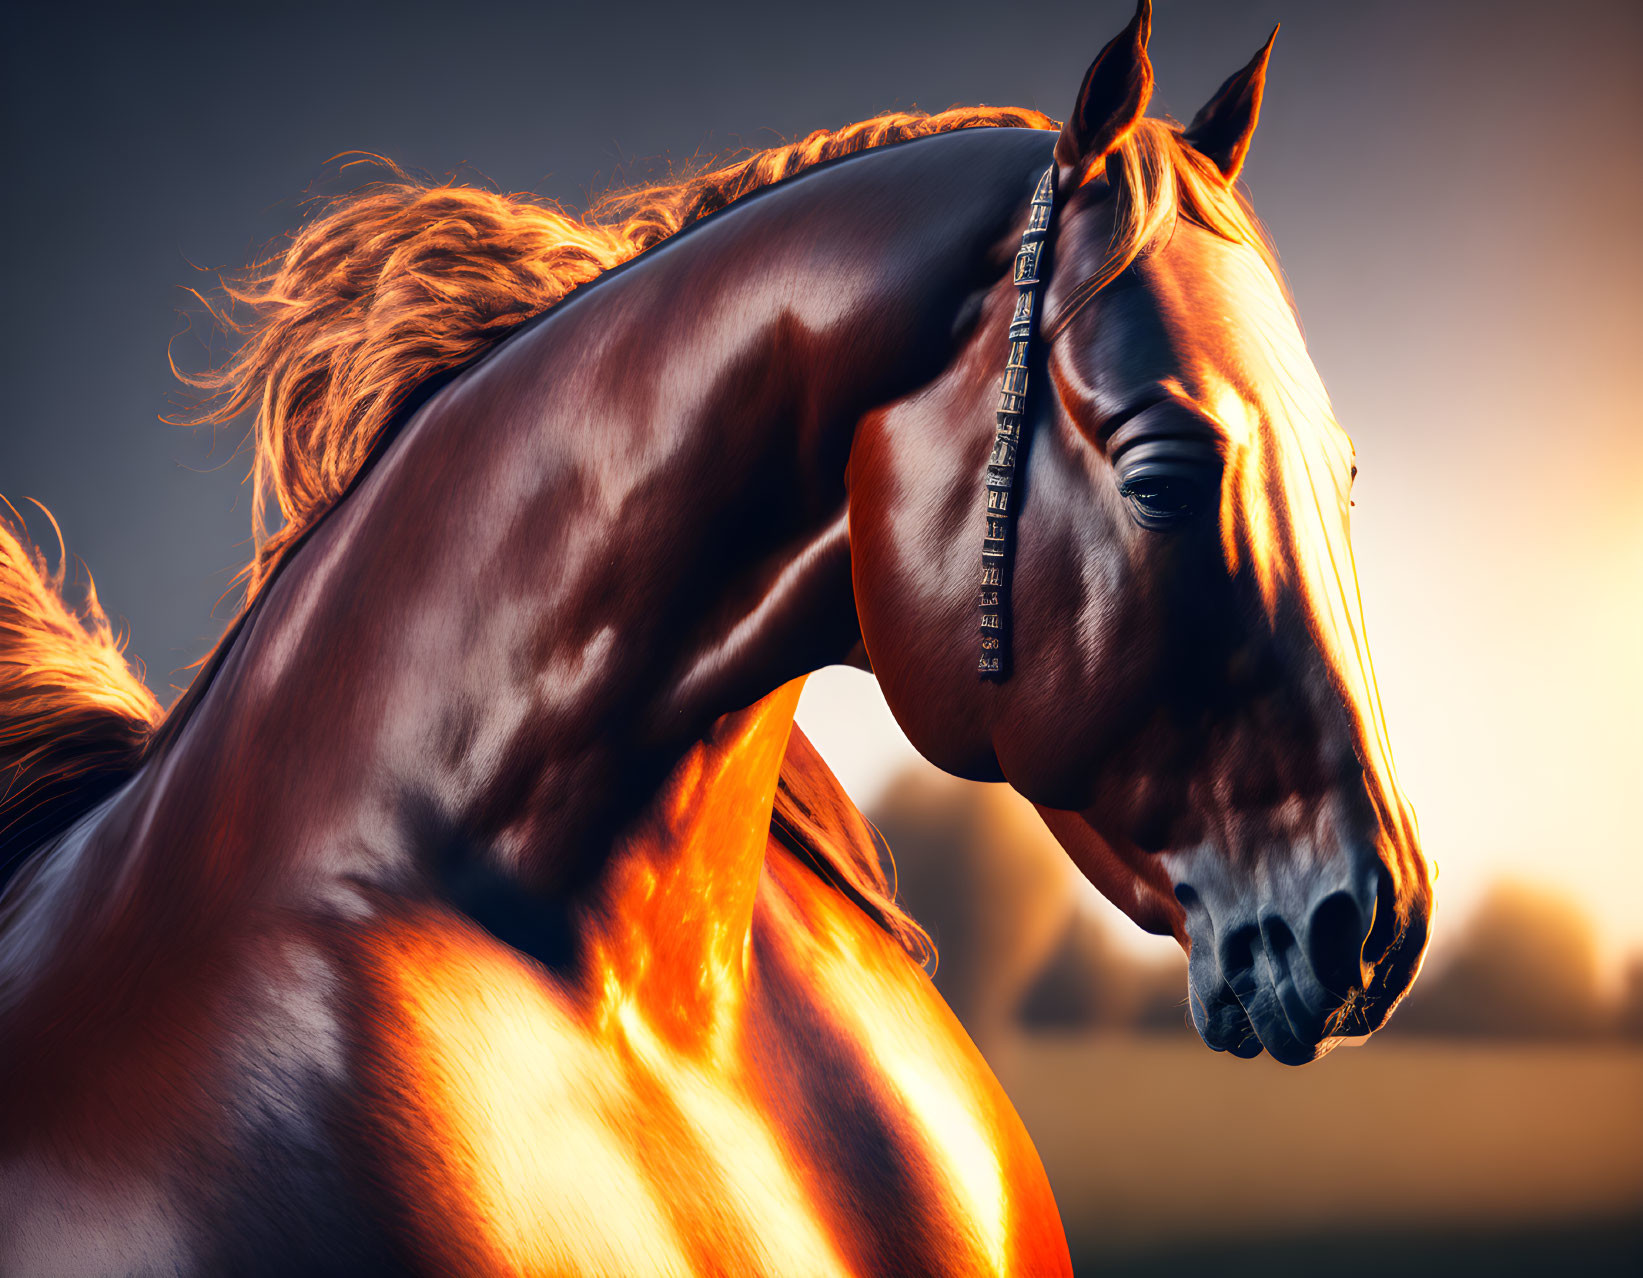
[(1423, 1156)]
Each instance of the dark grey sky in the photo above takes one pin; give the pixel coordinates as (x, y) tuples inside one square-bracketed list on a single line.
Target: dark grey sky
[(1454, 188)]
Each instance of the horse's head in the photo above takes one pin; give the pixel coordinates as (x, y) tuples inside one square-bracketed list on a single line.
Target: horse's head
[(1190, 700)]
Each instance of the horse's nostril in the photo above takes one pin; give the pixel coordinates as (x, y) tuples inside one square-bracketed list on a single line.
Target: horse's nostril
[(1383, 930), (1281, 948), (1238, 955), (1279, 939), (1335, 938)]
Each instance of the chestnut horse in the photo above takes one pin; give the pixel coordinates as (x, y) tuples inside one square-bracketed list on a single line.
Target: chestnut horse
[(478, 910)]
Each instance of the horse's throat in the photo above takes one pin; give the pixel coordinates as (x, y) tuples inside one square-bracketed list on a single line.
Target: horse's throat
[(670, 957)]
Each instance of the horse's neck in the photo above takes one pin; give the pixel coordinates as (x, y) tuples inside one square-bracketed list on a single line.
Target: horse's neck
[(522, 627)]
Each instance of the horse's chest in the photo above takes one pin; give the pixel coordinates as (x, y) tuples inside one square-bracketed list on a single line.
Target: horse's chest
[(835, 1123)]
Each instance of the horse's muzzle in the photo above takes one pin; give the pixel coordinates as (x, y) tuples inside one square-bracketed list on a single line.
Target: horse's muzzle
[(1315, 953)]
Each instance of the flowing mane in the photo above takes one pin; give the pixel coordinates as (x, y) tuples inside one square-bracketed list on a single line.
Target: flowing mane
[(74, 716), (392, 284)]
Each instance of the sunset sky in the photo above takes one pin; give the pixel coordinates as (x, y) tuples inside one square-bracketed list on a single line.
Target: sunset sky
[(1455, 190)]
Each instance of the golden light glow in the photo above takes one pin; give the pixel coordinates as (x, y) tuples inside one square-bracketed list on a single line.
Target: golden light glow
[(502, 1074), (71, 704), (609, 1129), (618, 1123), (1000, 1217), (575, 1148), (681, 891), (1286, 498), (929, 1076)]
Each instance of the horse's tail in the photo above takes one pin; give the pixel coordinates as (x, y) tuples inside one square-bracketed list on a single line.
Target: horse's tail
[(74, 716)]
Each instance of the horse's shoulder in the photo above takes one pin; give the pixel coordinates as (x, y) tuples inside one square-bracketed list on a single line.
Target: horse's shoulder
[(897, 1102)]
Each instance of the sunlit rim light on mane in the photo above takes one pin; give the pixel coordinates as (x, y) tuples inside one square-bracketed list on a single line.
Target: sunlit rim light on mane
[(1157, 178), (392, 284)]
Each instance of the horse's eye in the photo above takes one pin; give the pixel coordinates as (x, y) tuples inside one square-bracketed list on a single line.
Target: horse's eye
[(1162, 499)]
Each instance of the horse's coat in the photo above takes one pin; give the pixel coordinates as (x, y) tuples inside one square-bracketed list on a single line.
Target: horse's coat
[(689, 1118), (479, 909)]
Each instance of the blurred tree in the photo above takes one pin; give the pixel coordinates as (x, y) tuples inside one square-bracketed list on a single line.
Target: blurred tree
[(1526, 967), (976, 866), (1089, 983), (1629, 1021)]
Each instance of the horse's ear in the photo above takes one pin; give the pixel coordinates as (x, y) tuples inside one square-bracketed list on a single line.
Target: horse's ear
[(1221, 131), (1115, 93)]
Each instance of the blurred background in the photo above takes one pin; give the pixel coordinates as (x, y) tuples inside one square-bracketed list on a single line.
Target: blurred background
[(1456, 192)]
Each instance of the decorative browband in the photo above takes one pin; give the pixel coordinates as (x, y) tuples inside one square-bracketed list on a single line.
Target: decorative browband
[(1012, 415)]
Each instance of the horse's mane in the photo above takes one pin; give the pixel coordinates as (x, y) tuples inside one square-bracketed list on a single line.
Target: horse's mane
[(74, 717), (396, 282)]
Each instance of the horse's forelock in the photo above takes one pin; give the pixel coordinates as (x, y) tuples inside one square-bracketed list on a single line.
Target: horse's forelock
[(1157, 177)]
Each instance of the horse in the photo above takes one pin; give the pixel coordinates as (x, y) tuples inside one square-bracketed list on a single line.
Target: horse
[(479, 909)]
